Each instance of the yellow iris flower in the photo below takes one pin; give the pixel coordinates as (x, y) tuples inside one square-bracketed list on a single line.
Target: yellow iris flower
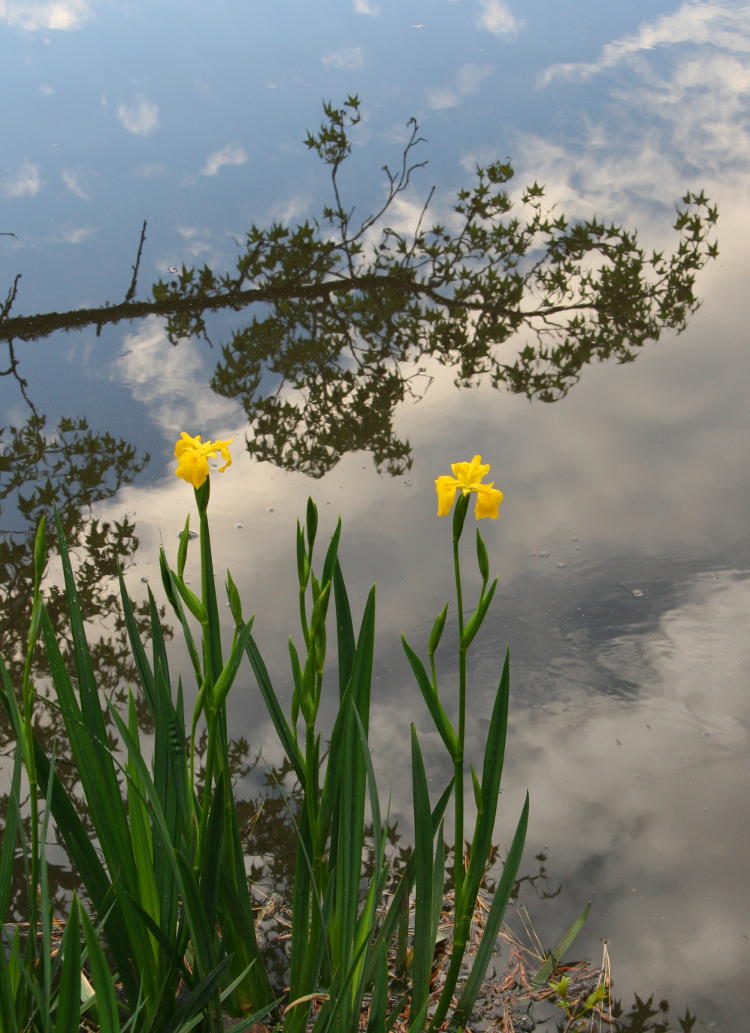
[(468, 477), (192, 457)]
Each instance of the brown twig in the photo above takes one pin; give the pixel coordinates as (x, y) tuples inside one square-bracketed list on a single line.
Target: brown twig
[(134, 281), (12, 369), (10, 298)]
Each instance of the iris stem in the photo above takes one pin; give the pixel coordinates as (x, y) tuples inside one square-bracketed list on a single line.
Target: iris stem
[(458, 761)]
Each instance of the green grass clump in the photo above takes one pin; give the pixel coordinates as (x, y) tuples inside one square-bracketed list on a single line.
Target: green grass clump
[(162, 938)]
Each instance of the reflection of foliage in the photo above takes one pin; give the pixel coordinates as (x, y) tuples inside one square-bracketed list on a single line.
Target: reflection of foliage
[(354, 312), (589, 1011), (72, 468), (545, 891), (644, 1017)]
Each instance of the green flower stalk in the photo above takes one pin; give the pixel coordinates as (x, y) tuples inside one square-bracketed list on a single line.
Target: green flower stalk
[(217, 807), (467, 478), (468, 872)]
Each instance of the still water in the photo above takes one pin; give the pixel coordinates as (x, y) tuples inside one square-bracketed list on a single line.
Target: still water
[(623, 540)]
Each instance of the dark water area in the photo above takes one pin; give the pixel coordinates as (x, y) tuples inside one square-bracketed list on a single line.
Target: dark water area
[(622, 544)]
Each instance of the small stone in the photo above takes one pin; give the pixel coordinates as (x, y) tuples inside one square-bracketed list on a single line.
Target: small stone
[(269, 509), (239, 526)]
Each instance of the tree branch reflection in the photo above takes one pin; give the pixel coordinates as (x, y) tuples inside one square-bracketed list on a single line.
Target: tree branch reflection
[(355, 314), (72, 467)]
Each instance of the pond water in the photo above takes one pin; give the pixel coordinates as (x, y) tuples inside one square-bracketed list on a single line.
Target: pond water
[(622, 545)]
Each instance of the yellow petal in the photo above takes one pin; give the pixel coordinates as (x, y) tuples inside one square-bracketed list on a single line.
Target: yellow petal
[(185, 441), (445, 487), (488, 501), (192, 467), (193, 454), (223, 447), (471, 473)]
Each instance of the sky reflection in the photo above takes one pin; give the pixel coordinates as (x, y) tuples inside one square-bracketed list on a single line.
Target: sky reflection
[(622, 543)]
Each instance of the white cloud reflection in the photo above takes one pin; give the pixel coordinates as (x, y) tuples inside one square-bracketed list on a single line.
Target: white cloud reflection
[(25, 182), (653, 786), (496, 17), (59, 15), (716, 24), (682, 117), (347, 59), (73, 180), (467, 81), (141, 116), (152, 171), (291, 209), (231, 154), (71, 234), (164, 378)]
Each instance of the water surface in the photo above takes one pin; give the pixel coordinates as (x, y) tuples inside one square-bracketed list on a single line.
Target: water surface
[(622, 544)]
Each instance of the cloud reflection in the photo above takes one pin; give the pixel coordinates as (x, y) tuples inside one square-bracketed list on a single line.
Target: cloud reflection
[(231, 154), (61, 15), (467, 81), (140, 117), (25, 182), (72, 181), (165, 378), (150, 171), (646, 790), (682, 115), (496, 17), (720, 25), (347, 59), (71, 234)]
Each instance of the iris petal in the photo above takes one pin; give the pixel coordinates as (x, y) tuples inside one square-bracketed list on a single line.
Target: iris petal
[(467, 476), (488, 502), (446, 493), (192, 456)]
